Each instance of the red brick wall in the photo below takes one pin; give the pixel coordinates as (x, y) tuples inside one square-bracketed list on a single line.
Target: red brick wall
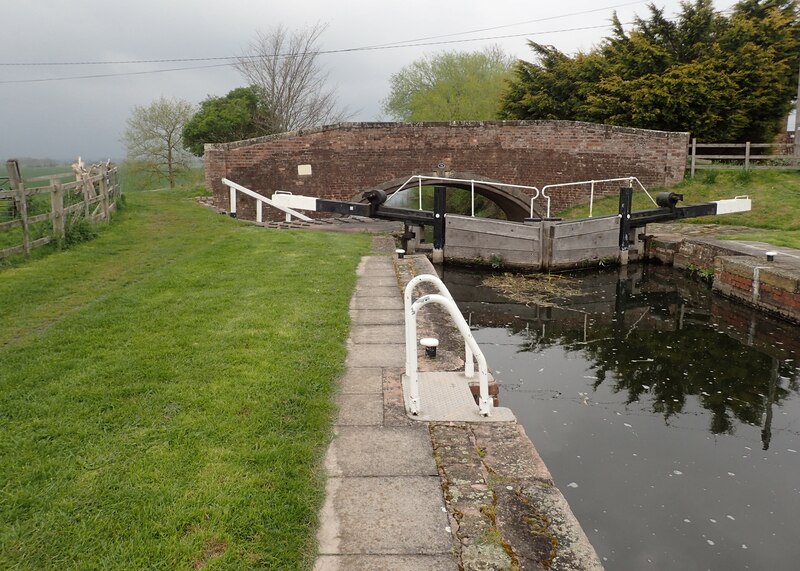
[(352, 157), (778, 291)]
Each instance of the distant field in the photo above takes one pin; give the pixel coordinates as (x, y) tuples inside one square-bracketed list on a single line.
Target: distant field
[(32, 172), (133, 181)]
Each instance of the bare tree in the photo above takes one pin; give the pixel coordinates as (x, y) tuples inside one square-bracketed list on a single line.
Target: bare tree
[(284, 68), (153, 138)]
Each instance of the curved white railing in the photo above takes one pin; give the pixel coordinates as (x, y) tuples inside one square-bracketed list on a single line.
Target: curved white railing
[(471, 346), (545, 188), (469, 361), (419, 178)]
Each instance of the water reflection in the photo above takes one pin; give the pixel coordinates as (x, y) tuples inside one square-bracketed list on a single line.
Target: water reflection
[(661, 337), (653, 397)]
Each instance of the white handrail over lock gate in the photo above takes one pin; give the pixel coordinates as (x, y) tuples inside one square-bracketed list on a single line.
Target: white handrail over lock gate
[(471, 349)]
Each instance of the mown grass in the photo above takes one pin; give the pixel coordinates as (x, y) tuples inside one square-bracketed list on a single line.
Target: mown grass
[(775, 216), (132, 179), (165, 395)]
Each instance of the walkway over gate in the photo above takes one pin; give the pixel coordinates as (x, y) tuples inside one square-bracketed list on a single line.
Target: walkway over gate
[(341, 161)]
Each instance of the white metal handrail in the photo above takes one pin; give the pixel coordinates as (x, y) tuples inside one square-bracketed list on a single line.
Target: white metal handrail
[(469, 362), (419, 178), (484, 401), (260, 201), (630, 179)]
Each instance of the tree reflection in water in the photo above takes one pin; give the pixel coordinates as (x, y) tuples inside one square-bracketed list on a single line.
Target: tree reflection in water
[(660, 339)]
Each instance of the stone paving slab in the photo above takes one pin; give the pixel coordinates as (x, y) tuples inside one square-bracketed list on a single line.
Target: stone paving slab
[(366, 282), (373, 316), (371, 334), (376, 355), (386, 563), (360, 410), (362, 380), (379, 262), (380, 272), (381, 451), (383, 515), (370, 302), (378, 291)]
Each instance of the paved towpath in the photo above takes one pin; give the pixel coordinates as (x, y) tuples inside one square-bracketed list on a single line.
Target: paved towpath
[(384, 508), (430, 496)]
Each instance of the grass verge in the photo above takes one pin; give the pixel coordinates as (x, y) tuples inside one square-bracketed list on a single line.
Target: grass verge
[(165, 395), (775, 216)]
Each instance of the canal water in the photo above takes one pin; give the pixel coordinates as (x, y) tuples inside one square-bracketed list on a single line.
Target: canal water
[(669, 417)]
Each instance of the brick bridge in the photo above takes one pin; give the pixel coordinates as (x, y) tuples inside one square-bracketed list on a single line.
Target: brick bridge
[(341, 161)]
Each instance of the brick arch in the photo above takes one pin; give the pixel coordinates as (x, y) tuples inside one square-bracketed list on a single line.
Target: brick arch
[(515, 203), (338, 161)]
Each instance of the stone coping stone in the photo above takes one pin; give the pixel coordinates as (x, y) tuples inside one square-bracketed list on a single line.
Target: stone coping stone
[(776, 274)]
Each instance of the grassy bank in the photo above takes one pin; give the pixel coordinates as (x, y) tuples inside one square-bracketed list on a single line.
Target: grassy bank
[(775, 217), (165, 395)]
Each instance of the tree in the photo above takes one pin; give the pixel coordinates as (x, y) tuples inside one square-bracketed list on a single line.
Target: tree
[(236, 116), (283, 68), (450, 86), (724, 78), (153, 138)]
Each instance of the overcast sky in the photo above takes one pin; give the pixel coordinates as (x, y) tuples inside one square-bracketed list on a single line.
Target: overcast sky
[(86, 116)]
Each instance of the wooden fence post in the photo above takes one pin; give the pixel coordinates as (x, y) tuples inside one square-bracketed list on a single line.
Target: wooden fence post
[(694, 153), (104, 198), (57, 210), (22, 208), (14, 177), (747, 156), (85, 192)]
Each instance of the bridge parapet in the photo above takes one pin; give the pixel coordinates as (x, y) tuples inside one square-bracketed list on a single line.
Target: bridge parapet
[(339, 161)]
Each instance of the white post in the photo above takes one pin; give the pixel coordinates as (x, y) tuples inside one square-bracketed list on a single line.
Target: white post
[(420, 193), (469, 359), (411, 359), (472, 192), (484, 400), (259, 211), (797, 122), (233, 202), (591, 199), (471, 349)]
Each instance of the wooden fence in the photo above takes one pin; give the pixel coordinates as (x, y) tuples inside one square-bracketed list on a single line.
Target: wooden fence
[(756, 156), (92, 197)]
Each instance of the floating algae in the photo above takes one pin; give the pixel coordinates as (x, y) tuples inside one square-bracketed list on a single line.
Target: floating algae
[(537, 289)]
